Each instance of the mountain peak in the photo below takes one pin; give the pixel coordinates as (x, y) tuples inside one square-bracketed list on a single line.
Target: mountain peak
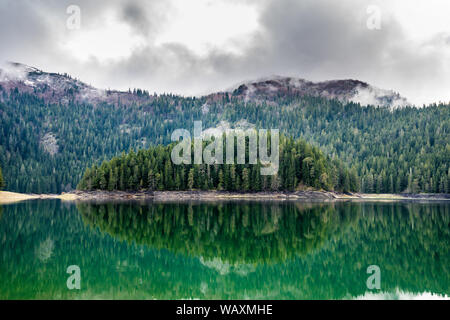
[(347, 90)]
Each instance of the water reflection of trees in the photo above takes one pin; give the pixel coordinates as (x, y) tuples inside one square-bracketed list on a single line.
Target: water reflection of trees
[(410, 243), (245, 233)]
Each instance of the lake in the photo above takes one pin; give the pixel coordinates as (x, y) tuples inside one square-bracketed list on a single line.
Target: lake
[(224, 250)]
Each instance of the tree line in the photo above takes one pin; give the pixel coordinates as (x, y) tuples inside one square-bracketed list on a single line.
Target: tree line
[(300, 166)]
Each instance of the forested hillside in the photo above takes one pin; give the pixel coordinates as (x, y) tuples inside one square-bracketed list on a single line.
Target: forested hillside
[(46, 147), (300, 166), (404, 150)]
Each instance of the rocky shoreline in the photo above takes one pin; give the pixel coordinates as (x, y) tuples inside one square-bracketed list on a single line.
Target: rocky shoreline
[(174, 196), (270, 196)]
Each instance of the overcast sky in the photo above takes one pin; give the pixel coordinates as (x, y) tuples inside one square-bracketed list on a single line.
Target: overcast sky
[(195, 47)]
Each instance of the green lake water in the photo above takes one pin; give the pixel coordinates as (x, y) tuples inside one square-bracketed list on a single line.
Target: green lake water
[(224, 250)]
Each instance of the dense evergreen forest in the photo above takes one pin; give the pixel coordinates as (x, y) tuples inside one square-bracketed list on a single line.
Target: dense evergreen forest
[(300, 165), (45, 148)]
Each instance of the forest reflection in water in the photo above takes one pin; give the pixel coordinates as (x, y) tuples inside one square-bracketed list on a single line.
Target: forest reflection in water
[(250, 233), (224, 250)]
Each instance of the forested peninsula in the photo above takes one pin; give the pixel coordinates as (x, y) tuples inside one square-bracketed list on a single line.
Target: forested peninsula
[(300, 166)]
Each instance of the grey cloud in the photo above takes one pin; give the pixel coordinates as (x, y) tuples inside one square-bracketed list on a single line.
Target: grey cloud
[(322, 39), (317, 40), (21, 29), (325, 39), (134, 15), (146, 17)]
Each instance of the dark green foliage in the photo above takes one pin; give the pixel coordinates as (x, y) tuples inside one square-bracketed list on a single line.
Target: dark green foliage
[(404, 150), (2, 182), (301, 165), (85, 135), (388, 151), (251, 233)]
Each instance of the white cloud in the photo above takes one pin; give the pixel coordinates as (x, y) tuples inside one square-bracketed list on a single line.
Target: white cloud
[(205, 25), (112, 40)]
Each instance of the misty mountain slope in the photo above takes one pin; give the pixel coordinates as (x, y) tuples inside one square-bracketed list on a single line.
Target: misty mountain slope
[(57, 88), (342, 90), (49, 137), (62, 88)]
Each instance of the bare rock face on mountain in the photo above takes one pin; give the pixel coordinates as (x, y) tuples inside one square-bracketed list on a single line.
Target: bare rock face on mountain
[(50, 143), (342, 90)]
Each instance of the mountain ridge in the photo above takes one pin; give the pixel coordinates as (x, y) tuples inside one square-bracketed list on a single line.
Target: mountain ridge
[(344, 90), (62, 88)]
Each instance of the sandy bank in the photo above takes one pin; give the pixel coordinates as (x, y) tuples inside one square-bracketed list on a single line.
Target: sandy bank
[(11, 197)]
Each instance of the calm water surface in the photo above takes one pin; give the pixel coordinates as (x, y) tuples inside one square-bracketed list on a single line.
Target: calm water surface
[(225, 250)]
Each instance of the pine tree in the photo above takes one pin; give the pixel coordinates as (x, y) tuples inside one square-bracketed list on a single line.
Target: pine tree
[(391, 184), (346, 182), (191, 179), (221, 183), (443, 185), (158, 182), (103, 182), (151, 180), (233, 177), (415, 186), (256, 178), (369, 184), (2, 181), (245, 180), (275, 184), (168, 175), (226, 177), (112, 179)]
